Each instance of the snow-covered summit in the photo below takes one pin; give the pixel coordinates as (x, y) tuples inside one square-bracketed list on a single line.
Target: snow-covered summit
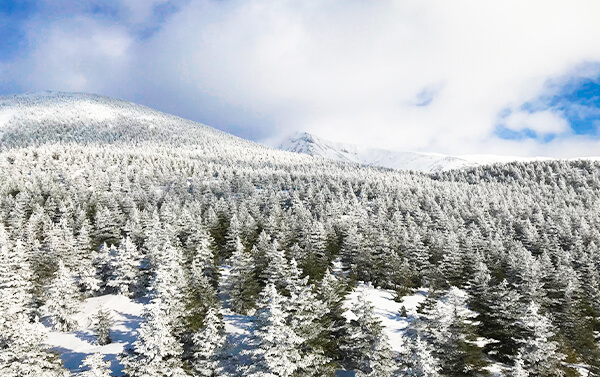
[(303, 142), (426, 162)]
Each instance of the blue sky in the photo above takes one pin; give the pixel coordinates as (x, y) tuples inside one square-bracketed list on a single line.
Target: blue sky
[(577, 101), (474, 76)]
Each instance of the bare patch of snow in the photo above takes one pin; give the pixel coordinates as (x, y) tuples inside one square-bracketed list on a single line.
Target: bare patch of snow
[(73, 347), (388, 310), (5, 118)]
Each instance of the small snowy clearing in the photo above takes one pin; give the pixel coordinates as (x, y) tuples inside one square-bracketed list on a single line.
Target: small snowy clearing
[(238, 327), (73, 347), (387, 310), (5, 118)]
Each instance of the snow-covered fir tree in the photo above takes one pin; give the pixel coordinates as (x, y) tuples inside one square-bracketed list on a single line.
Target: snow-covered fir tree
[(276, 350), (305, 311), (156, 352), (125, 268), (15, 285), (22, 352), (102, 324), (448, 327), (87, 272), (538, 352), (242, 285), (419, 360), (171, 286), (367, 348), (95, 366), (62, 301), (209, 343)]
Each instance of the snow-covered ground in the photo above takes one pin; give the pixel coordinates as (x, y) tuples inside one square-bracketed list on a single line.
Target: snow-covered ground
[(387, 310), (73, 347)]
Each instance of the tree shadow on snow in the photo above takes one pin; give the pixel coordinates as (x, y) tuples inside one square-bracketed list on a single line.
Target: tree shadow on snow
[(72, 360)]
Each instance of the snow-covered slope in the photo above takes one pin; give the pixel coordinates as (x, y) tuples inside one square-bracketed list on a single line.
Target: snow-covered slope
[(425, 162), (50, 117)]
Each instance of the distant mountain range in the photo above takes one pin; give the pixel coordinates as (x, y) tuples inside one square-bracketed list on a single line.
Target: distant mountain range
[(303, 142)]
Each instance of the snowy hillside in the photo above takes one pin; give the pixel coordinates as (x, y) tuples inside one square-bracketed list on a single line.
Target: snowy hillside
[(425, 162), (48, 117)]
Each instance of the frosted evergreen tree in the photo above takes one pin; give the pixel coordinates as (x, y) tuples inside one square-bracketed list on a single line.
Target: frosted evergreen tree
[(15, 286), (62, 301), (106, 225), (479, 287), (538, 351), (103, 265), (527, 273), (155, 240), (95, 366), (199, 299), (351, 247), (315, 248), (232, 235), (276, 270), (203, 260), (503, 308), (171, 286), (366, 344), (333, 293), (276, 351), (208, 344), (156, 352), (87, 272), (518, 370), (241, 284), (418, 255), (451, 265), (125, 268), (448, 326), (306, 311), (260, 251), (21, 341), (22, 352), (419, 360), (102, 324)]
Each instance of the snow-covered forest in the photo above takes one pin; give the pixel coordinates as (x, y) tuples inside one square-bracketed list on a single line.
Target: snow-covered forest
[(227, 258)]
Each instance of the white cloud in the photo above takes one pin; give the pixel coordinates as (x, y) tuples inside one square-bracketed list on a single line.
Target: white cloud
[(141, 10), (80, 54), (421, 75), (541, 122)]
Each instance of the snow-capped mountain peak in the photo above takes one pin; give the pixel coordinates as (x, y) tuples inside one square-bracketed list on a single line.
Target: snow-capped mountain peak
[(303, 142), (306, 143)]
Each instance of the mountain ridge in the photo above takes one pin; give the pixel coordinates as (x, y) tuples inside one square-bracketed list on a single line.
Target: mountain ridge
[(306, 143)]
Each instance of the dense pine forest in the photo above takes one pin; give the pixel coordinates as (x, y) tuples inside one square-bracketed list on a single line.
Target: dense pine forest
[(187, 220)]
